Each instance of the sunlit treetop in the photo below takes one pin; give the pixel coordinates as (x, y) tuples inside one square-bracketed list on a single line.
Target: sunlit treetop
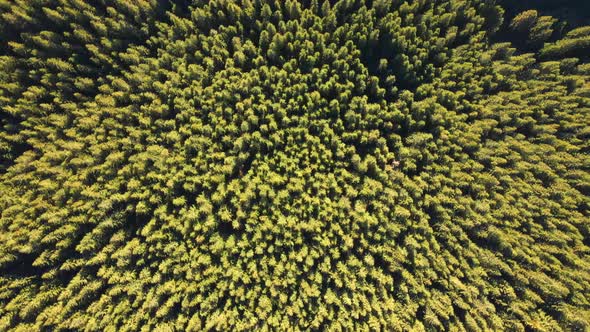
[(282, 165)]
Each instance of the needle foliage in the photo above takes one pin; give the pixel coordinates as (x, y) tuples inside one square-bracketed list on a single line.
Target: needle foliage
[(291, 165)]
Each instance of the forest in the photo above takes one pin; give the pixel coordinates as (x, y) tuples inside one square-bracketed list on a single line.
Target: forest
[(282, 165)]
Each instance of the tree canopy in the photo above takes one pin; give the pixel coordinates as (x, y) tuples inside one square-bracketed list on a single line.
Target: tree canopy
[(293, 165)]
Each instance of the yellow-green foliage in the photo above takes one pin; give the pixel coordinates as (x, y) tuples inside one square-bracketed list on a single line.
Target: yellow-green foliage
[(282, 165)]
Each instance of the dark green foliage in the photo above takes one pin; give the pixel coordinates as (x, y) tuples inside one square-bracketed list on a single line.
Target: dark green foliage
[(576, 43), (532, 30), (283, 165), (574, 13)]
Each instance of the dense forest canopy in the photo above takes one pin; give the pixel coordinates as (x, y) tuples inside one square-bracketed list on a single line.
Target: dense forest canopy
[(292, 165)]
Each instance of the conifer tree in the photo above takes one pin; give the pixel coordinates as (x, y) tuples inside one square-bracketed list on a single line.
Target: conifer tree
[(293, 165)]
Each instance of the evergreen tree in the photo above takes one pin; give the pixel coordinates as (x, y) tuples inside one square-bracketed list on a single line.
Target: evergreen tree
[(293, 165)]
